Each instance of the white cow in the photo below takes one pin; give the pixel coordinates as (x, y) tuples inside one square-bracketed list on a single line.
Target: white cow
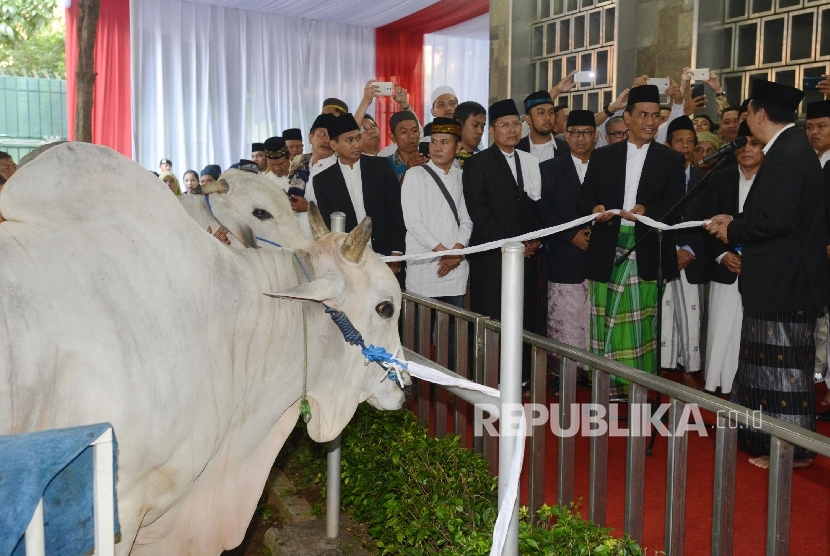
[(100, 267), (242, 197)]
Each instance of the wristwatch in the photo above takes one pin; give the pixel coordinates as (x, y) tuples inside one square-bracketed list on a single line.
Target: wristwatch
[(607, 112)]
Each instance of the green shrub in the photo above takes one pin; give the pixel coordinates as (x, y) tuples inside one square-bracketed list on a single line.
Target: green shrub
[(422, 496)]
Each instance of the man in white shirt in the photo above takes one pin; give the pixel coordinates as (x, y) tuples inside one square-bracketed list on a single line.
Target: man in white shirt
[(276, 157), (436, 218), (818, 133), (444, 102)]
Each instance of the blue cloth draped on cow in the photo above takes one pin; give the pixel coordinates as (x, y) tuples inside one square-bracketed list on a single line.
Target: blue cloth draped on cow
[(55, 465)]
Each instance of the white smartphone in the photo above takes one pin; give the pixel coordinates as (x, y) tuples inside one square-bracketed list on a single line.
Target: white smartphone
[(700, 74), (661, 82), (584, 77), (386, 88)]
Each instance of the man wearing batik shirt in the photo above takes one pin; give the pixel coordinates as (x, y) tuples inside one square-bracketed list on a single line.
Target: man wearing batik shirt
[(406, 134)]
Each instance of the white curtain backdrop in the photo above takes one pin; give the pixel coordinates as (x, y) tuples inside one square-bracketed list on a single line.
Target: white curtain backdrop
[(459, 56), (208, 81)]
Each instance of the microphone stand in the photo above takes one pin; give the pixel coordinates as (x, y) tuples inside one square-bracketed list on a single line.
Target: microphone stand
[(660, 288)]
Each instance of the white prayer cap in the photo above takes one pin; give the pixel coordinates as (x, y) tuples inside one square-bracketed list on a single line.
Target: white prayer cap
[(442, 90)]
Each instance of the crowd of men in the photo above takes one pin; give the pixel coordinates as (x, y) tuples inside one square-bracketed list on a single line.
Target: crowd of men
[(757, 270)]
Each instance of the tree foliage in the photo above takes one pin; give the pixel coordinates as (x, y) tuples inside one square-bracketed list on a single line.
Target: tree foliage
[(30, 36)]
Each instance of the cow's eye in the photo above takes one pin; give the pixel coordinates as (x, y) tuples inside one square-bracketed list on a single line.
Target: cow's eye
[(385, 309), (262, 214)]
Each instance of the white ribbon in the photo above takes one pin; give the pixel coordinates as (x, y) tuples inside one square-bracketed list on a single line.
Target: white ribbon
[(537, 234)]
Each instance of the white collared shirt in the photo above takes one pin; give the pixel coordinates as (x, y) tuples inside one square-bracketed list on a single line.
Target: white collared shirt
[(315, 169), (355, 186), (511, 161), (543, 151), (634, 161), (280, 181), (768, 146), (581, 168), (430, 222), (824, 157), (744, 185)]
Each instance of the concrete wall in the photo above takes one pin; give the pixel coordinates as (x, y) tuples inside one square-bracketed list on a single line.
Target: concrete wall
[(654, 37)]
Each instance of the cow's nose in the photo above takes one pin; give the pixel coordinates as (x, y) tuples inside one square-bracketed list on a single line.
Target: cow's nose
[(407, 392)]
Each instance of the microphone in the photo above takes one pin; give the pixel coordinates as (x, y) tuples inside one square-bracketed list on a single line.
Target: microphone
[(727, 149)]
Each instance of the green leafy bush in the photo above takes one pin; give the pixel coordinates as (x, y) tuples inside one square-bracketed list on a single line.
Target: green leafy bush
[(422, 496)]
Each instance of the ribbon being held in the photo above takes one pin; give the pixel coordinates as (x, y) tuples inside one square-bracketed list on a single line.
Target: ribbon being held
[(541, 233)]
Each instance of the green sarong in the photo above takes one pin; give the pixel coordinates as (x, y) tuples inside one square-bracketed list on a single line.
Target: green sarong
[(623, 316)]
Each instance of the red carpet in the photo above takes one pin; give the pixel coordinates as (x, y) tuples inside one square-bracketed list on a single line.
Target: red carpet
[(809, 534)]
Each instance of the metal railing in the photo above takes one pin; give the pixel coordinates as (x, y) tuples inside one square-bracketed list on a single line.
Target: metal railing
[(479, 361)]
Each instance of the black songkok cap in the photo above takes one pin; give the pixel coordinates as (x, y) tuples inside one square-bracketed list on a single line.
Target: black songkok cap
[(500, 109), (292, 134), (537, 98), (402, 116), (581, 117), (777, 94), (337, 104), (819, 109), (680, 123), (275, 148), (256, 147), (211, 170), (644, 93), (321, 121), (743, 130), (446, 125), (248, 166), (341, 125), (428, 130)]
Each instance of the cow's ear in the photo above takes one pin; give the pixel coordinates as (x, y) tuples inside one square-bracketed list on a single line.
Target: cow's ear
[(230, 218), (322, 289)]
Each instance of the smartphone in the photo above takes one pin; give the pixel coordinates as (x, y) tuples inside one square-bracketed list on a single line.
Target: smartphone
[(697, 90), (701, 74), (386, 88), (423, 148), (661, 82), (584, 77), (811, 83)]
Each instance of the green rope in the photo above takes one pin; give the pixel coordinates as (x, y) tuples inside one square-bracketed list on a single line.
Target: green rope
[(305, 407)]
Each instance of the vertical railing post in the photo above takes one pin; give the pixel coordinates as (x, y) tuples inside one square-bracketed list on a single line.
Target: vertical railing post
[(598, 480), (635, 465), (512, 295), (723, 511), (477, 374), (567, 443), (103, 505), (333, 449), (676, 481), (538, 395), (780, 490)]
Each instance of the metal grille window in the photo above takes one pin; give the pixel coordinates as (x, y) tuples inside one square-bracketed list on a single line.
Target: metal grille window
[(32, 112), (577, 35), (779, 40)]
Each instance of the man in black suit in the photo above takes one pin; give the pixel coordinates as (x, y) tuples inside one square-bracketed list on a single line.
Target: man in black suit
[(683, 298), (639, 177), (784, 273), (726, 194), (359, 186), (501, 187), (569, 309), (539, 116)]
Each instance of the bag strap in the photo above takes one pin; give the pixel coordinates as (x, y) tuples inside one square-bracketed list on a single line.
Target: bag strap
[(444, 191)]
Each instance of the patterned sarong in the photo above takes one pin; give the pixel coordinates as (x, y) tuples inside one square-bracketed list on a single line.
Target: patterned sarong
[(623, 311), (569, 310), (775, 373)]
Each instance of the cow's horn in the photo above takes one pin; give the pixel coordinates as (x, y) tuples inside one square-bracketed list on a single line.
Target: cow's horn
[(315, 220), (356, 241), (220, 186)]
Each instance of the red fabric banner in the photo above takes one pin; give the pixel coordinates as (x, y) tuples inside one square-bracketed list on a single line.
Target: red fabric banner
[(112, 105), (399, 48)]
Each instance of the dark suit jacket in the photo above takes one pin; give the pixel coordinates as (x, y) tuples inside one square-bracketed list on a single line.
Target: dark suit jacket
[(693, 209), (381, 199), (661, 186), (721, 197), (499, 209), (783, 231), (560, 189), (561, 149)]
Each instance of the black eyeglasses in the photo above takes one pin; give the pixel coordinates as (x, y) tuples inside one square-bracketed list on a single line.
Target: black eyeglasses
[(618, 134), (585, 133)]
